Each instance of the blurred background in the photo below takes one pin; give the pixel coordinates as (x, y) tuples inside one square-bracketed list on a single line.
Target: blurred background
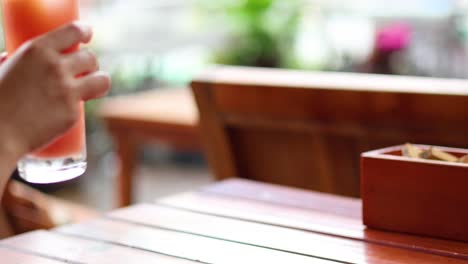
[(149, 44)]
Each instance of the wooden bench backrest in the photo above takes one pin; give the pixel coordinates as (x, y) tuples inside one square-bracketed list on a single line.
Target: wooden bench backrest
[(307, 129)]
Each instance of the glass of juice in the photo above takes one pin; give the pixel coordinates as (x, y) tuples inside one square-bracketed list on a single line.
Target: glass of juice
[(65, 157)]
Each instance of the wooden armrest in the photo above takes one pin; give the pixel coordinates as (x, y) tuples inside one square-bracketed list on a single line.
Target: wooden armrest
[(28, 209)]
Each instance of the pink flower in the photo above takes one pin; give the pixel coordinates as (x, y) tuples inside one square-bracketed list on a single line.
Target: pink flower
[(393, 37)]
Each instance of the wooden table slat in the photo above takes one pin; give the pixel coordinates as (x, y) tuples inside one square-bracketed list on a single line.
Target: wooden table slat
[(236, 221), (197, 248), (331, 204), (266, 213), (309, 220), (77, 250), (288, 196), (8, 256), (285, 239)]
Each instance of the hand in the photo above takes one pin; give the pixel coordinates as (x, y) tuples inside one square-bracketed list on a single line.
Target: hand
[(39, 91)]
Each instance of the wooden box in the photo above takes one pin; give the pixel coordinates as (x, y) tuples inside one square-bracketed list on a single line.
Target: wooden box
[(421, 197)]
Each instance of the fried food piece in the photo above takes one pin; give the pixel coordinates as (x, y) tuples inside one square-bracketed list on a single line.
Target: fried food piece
[(464, 159), (437, 154), (411, 151)]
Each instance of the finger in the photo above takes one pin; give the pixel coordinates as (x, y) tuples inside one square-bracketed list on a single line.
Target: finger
[(93, 86), (80, 62), (67, 36)]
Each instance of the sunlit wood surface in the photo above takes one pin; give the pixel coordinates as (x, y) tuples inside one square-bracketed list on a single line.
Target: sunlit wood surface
[(235, 221)]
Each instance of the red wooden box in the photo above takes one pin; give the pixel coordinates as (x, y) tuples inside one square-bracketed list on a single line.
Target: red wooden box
[(422, 197)]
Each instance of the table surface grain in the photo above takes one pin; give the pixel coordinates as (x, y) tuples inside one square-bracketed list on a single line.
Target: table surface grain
[(235, 221)]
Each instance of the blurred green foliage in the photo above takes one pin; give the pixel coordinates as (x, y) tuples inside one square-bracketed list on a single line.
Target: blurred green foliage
[(261, 32)]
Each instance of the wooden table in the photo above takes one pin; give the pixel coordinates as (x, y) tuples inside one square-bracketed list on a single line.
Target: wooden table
[(167, 116), (236, 221)]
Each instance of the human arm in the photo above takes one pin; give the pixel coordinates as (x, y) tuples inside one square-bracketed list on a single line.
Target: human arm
[(40, 94)]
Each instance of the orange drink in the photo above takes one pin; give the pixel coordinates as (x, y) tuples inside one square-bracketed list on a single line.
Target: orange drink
[(65, 157)]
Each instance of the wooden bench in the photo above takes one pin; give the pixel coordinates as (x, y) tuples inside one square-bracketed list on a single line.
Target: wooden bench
[(165, 116)]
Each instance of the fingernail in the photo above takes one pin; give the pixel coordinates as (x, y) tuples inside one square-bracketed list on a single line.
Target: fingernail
[(83, 26), (85, 29)]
